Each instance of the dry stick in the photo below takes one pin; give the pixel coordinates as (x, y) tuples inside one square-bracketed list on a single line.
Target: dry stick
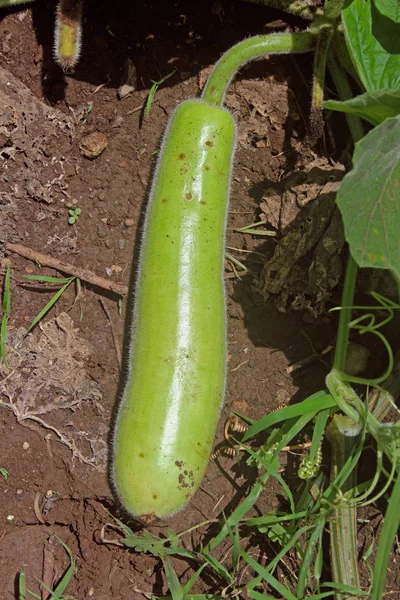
[(114, 337), (54, 263)]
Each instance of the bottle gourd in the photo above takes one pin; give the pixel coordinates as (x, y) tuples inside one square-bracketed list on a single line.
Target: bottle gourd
[(176, 378)]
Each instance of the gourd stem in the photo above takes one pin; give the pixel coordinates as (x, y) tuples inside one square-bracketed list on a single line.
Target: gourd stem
[(345, 314), (255, 47)]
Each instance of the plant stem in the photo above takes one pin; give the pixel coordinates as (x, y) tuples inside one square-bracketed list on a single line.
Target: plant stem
[(345, 314), (255, 47), (343, 435), (344, 90), (326, 32)]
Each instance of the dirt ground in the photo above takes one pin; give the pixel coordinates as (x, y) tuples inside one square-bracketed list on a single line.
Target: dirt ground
[(59, 390)]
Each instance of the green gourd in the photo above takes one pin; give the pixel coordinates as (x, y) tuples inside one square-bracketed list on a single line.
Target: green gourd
[(174, 390)]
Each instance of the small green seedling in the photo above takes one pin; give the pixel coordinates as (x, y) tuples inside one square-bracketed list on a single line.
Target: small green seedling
[(4, 472), (152, 92), (6, 309), (74, 215), (86, 114)]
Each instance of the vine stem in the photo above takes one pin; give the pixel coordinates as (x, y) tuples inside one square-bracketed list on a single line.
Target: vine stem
[(345, 314), (255, 47)]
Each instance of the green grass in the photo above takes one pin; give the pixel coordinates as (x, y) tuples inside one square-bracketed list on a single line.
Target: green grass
[(6, 312), (298, 534), (64, 282), (58, 592), (153, 90)]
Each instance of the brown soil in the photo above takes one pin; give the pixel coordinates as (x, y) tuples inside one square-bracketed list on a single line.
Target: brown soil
[(60, 388)]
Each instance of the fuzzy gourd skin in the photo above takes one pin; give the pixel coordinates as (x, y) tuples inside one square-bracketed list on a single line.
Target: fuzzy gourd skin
[(174, 391)]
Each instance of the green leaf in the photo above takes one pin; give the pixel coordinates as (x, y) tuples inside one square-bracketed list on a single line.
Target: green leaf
[(146, 542), (4, 472), (373, 38), (389, 8), (374, 107), (369, 199)]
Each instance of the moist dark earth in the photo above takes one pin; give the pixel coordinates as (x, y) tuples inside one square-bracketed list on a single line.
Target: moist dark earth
[(58, 392)]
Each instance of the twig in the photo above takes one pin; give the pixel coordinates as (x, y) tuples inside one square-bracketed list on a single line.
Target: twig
[(234, 275), (54, 263), (309, 359), (48, 568), (116, 346)]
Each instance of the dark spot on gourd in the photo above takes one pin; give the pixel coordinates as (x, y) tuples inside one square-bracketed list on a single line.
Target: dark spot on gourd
[(141, 454), (209, 144), (212, 89), (188, 196), (179, 463), (199, 444), (206, 168), (203, 202), (182, 482), (155, 496), (164, 200), (181, 156)]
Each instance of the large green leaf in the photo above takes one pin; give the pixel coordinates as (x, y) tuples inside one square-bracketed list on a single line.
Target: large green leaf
[(372, 30), (374, 107), (369, 199)]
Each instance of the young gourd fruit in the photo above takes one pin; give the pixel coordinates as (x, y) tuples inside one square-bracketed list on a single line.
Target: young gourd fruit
[(175, 385)]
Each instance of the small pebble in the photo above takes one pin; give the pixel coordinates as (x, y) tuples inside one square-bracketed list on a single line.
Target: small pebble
[(129, 222), (126, 233), (101, 231), (123, 164), (117, 121), (93, 194), (121, 243), (109, 271), (101, 196), (108, 243), (93, 145), (19, 494), (251, 363), (25, 445)]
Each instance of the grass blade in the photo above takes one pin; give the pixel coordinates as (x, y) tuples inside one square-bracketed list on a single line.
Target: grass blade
[(391, 524), (47, 279), (192, 581), (174, 586), (6, 310), (267, 576), (244, 507), (22, 586), (66, 578), (152, 92), (49, 305), (315, 403)]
